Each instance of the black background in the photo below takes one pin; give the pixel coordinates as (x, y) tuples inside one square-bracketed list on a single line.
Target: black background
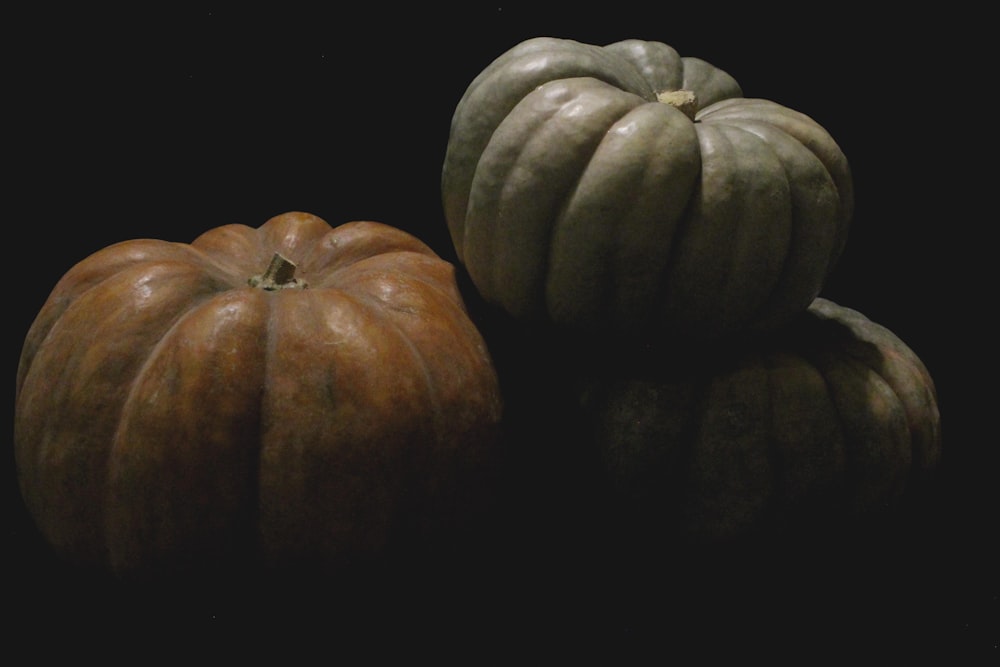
[(130, 124)]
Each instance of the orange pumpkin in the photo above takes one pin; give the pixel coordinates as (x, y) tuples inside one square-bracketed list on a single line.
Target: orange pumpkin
[(184, 406)]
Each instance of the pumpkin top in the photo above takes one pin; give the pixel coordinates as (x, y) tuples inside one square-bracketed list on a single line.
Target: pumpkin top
[(294, 249), (644, 68)]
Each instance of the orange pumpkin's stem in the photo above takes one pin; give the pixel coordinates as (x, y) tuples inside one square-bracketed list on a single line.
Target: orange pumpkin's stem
[(685, 100), (280, 274)]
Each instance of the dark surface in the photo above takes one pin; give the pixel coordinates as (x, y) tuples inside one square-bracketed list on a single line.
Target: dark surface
[(125, 125)]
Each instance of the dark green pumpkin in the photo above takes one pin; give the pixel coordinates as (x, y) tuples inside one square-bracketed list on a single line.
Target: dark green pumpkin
[(834, 415)]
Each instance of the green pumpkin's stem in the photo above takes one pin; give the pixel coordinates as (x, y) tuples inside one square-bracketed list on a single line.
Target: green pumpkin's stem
[(685, 100), (280, 274)]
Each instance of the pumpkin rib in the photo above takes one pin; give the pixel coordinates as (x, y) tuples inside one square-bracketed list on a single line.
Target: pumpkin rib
[(231, 249), (866, 329), (539, 59), (408, 461), (813, 221), (874, 478), (322, 442), (498, 89), (811, 475), (562, 206), (459, 329), (326, 482), (620, 267), (343, 260), (896, 391), (413, 461), (620, 288), (80, 386), (677, 294), (129, 502), (761, 237), (706, 294), (778, 265), (877, 352), (711, 83), (364, 515), (665, 69), (820, 359), (483, 234), (295, 234), (870, 344), (552, 113), (816, 141), (810, 134), (658, 63), (84, 276), (388, 262), (350, 244), (375, 307)]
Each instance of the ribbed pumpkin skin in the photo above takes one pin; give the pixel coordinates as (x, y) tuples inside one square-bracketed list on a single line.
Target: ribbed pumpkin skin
[(574, 196), (836, 413), (169, 416)]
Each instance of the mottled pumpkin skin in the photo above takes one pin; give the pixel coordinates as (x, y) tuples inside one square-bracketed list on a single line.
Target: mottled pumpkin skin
[(170, 416), (574, 196), (836, 416)]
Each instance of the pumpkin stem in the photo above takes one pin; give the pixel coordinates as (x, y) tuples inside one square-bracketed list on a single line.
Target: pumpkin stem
[(280, 274), (685, 100)]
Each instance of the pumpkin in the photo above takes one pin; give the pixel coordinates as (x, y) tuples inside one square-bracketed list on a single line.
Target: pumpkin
[(287, 394), (834, 418), (627, 189)]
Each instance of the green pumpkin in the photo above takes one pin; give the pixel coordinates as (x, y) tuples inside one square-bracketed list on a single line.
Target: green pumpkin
[(624, 188), (834, 416)]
